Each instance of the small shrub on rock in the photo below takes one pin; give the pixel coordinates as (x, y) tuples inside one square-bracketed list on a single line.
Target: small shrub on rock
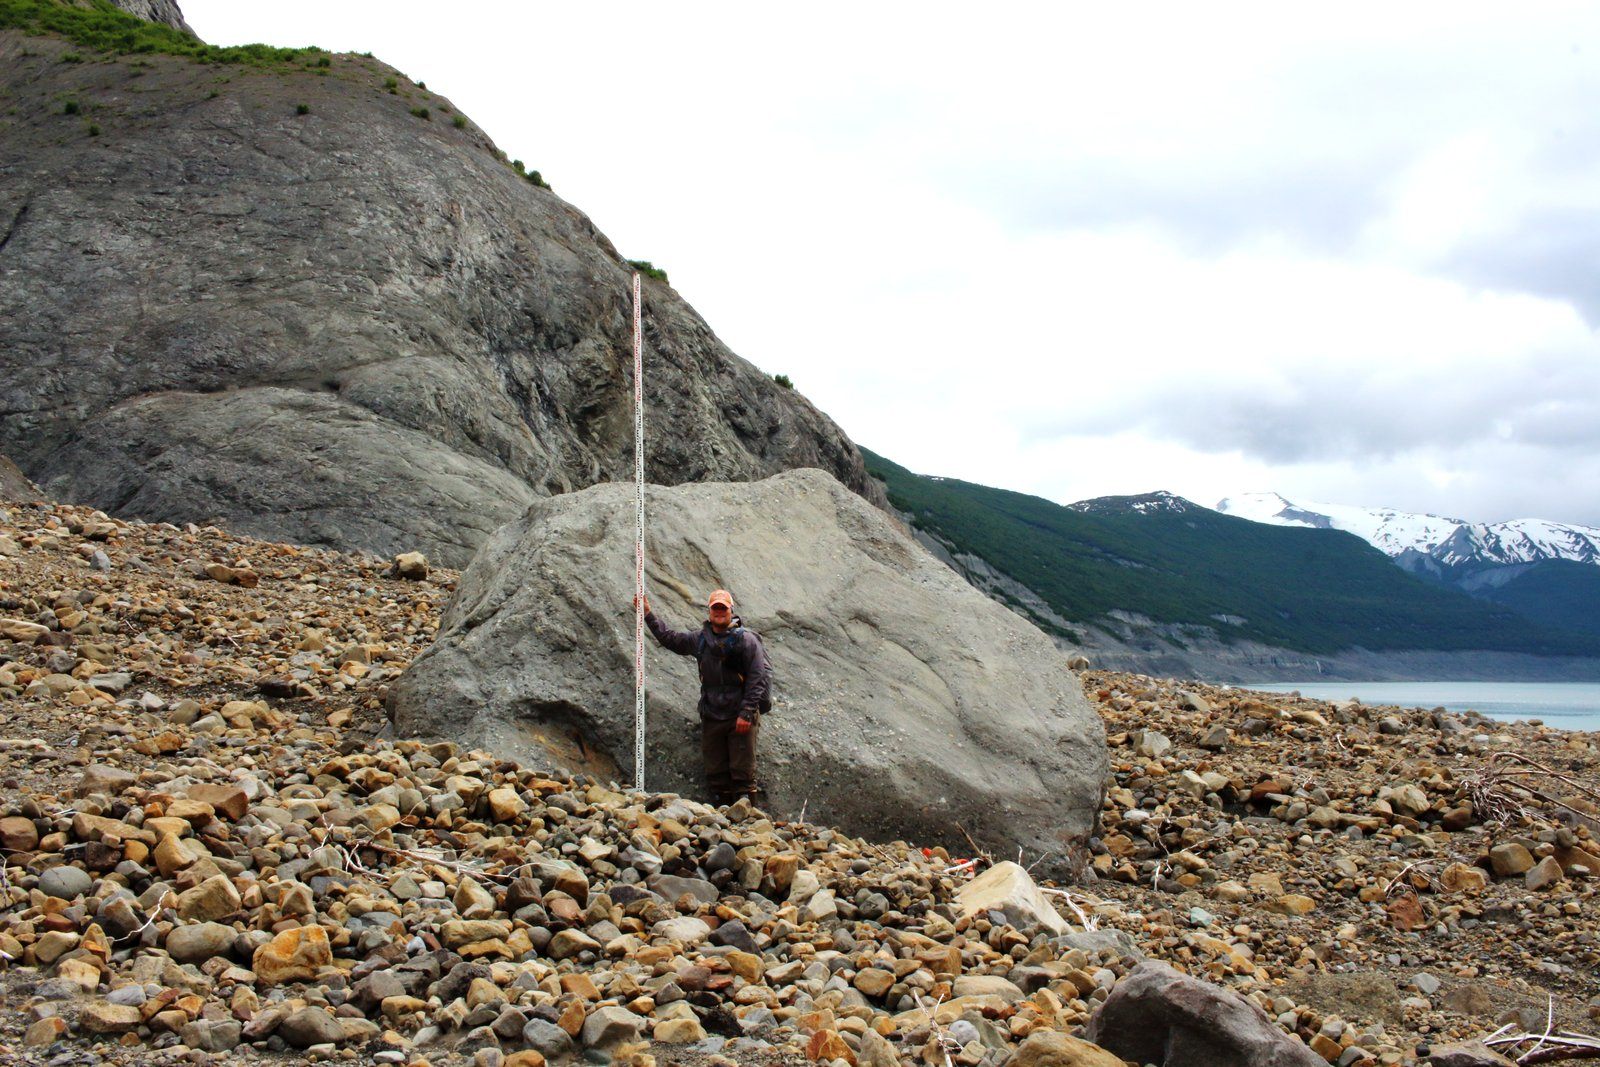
[(648, 269)]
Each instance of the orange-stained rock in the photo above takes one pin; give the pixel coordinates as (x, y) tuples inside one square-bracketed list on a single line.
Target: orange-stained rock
[(580, 984), (1050, 1049), (229, 801), (826, 1046), (1460, 878), (18, 834), (293, 956), (192, 811), (1405, 912), (572, 1018), (171, 856)]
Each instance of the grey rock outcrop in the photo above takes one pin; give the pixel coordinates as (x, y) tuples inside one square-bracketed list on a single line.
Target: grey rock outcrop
[(346, 325), (165, 12), (905, 700), (14, 485), (1159, 1015)]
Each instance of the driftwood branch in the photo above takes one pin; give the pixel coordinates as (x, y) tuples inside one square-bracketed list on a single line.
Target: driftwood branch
[(977, 850), (1084, 919), (1545, 1047), (1513, 785), (945, 1041)]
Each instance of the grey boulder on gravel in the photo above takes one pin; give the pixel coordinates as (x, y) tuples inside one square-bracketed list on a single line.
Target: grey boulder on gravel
[(907, 703), (1160, 1015)]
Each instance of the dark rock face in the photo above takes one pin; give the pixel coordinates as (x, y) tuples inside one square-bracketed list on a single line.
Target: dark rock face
[(905, 701), (1159, 1015), (352, 326)]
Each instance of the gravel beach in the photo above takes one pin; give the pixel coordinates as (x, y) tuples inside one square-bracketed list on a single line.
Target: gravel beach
[(215, 849)]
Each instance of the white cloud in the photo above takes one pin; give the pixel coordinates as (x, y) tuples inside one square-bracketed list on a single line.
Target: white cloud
[(1344, 253)]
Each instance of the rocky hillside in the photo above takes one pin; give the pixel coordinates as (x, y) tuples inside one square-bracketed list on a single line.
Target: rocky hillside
[(1556, 593), (297, 292), (14, 485), (211, 847), (164, 12)]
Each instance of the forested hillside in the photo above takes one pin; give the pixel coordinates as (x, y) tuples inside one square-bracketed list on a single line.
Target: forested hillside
[(1173, 561)]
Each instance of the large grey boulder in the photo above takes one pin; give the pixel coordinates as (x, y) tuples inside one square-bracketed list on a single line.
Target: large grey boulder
[(353, 326), (1159, 1015), (906, 701)]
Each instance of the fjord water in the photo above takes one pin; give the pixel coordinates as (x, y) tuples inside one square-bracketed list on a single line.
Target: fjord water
[(1567, 705)]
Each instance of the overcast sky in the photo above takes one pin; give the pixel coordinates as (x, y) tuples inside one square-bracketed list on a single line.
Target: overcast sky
[(1351, 255)]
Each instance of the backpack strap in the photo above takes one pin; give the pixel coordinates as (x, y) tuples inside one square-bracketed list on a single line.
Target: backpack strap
[(728, 642)]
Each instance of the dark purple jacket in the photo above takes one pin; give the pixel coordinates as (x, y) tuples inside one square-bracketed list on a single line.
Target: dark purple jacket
[(734, 674)]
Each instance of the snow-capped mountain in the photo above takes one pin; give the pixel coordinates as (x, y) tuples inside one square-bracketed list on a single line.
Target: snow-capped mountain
[(1548, 572), (1453, 543), (1144, 504), (1519, 541)]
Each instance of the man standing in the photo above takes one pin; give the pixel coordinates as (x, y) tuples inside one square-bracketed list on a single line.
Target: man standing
[(735, 682)]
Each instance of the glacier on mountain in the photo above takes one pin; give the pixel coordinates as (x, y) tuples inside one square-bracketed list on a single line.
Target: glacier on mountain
[(1452, 542)]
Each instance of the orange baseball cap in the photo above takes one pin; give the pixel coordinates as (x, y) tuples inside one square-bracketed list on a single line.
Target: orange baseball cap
[(720, 596)]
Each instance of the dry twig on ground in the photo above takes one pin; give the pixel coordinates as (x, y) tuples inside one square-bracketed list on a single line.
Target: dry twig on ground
[(946, 1042), (1544, 1047), (1506, 792), (977, 850)]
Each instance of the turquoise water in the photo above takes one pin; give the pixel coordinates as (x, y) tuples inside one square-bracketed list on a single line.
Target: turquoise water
[(1567, 705)]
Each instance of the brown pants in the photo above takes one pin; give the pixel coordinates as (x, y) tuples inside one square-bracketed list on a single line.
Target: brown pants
[(729, 758)]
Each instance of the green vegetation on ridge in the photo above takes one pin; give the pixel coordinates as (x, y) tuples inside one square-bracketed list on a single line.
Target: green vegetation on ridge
[(648, 269), (1316, 591), (1556, 592), (97, 24), (100, 26)]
